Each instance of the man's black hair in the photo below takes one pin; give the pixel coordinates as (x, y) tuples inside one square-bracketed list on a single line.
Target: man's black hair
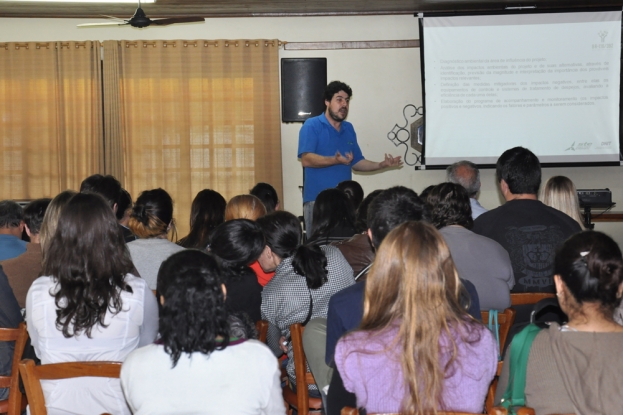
[(334, 87), (11, 214), (392, 207), (267, 194), (521, 171), (34, 213), (124, 203), (106, 186)]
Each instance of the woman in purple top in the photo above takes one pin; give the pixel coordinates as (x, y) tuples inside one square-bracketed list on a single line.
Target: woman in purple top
[(416, 350)]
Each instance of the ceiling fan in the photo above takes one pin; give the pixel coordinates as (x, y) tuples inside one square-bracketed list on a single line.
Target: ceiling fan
[(141, 20)]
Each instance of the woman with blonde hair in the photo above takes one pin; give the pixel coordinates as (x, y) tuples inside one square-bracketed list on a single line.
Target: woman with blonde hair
[(151, 221), (560, 193), (244, 207), (417, 350)]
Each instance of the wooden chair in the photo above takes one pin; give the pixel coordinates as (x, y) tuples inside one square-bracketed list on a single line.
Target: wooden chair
[(13, 405), (529, 298), (300, 400), (262, 330), (496, 411), (32, 376), (506, 319)]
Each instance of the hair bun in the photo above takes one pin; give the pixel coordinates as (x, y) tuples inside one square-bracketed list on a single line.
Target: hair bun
[(140, 213)]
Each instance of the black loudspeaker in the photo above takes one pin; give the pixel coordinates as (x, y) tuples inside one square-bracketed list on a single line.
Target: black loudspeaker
[(303, 81)]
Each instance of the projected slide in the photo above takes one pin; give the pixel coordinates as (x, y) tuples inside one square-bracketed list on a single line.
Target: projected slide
[(548, 82)]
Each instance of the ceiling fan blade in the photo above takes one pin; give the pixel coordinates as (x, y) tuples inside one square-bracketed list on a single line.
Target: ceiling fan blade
[(102, 24), (112, 17), (174, 20)]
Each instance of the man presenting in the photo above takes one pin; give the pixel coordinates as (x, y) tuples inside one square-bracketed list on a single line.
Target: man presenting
[(328, 148)]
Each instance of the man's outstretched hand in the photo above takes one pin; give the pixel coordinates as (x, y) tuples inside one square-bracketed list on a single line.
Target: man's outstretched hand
[(390, 161)]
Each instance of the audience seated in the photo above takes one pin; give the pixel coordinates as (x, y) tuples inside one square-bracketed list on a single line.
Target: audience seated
[(559, 192), (124, 210), (466, 174), (268, 195), (207, 212), (88, 307), (11, 228), (416, 350), (244, 207), (574, 368), (333, 218), (151, 220), (353, 191), (236, 244), (478, 259), (358, 250), (249, 207), (197, 366), (306, 276), (24, 269), (10, 317), (389, 209), (110, 189), (525, 227)]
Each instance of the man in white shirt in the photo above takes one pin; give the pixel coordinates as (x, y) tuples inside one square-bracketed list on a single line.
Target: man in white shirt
[(466, 174)]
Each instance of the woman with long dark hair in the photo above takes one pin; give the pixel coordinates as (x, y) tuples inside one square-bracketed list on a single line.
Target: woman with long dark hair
[(416, 351), (306, 276), (206, 213), (207, 371), (236, 244), (576, 368), (88, 307), (151, 221)]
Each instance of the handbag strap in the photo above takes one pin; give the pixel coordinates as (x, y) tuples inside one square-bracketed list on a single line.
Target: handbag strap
[(494, 326), (309, 313), (515, 395)]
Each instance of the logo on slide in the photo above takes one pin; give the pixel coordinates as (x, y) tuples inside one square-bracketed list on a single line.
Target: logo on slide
[(580, 147), (602, 35)]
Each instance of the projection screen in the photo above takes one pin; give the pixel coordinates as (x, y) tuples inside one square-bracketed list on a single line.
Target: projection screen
[(548, 82)]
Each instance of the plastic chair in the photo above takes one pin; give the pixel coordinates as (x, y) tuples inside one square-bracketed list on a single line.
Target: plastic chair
[(32, 376), (300, 400), (13, 405), (262, 330), (529, 298)]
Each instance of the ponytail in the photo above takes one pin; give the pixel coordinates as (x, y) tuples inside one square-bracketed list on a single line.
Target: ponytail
[(311, 262)]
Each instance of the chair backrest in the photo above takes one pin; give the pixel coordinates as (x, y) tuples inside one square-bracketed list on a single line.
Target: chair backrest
[(12, 406), (496, 411), (529, 298), (300, 400), (505, 320), (262, 330), (32, 376)]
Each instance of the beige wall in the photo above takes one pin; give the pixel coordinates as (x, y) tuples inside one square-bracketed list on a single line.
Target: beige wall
[(383, 82)]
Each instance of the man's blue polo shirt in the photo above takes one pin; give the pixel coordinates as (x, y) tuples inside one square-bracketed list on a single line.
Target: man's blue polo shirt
[(11, 247), (318, 136)]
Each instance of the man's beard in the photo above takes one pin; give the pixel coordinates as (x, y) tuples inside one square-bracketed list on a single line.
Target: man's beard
[(337, 116)]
